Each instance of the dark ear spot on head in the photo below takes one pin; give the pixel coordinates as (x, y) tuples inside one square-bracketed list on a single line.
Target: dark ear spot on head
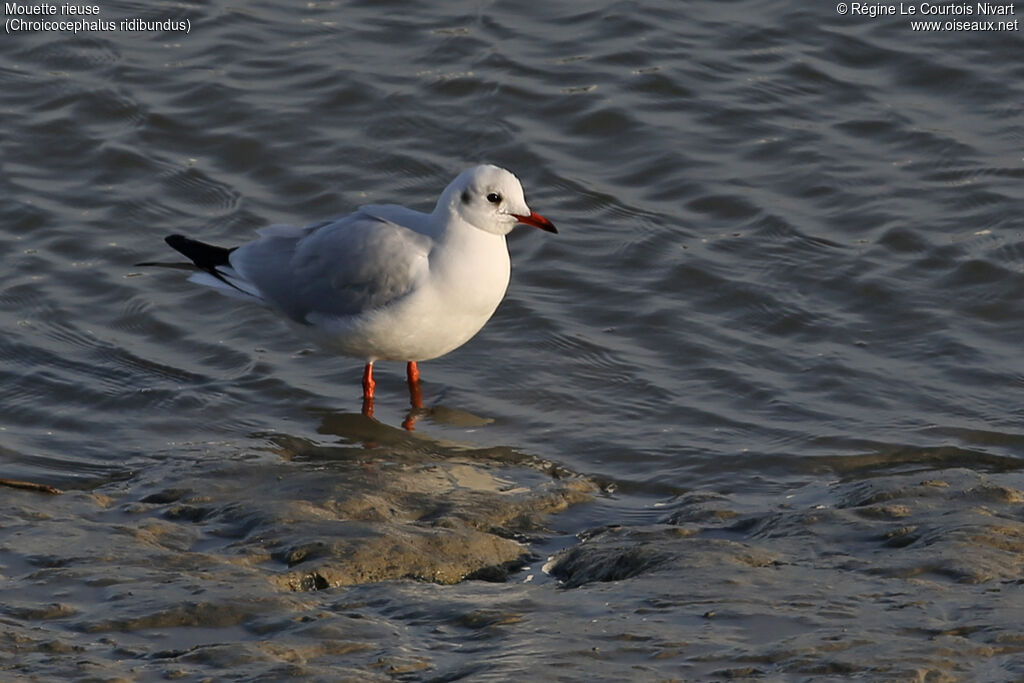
[(465, 197)]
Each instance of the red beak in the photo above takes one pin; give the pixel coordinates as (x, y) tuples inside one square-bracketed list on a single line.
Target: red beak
[(537, 221)]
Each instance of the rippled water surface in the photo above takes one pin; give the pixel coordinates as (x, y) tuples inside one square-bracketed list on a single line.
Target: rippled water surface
[(755, 412)]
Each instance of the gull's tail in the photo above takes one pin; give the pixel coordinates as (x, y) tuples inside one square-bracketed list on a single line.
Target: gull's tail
[(215, 264)]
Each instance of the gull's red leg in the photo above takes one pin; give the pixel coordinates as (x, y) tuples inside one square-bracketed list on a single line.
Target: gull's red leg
[(412, 373), (368, 387), (368, 383)]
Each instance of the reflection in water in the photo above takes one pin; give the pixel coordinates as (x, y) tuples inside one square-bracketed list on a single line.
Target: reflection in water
[(360, 428)]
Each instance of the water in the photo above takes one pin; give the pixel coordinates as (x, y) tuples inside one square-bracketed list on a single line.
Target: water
[(758, 401)]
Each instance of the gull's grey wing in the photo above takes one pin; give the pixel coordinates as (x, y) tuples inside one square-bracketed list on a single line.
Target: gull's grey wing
[(357, 263)]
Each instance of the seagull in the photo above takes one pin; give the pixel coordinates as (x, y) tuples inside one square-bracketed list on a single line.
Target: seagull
[(385, 282)]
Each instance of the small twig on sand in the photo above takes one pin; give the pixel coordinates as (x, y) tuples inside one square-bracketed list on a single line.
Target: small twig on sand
[(31, 486)]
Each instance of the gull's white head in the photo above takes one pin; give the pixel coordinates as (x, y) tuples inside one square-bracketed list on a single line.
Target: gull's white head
[(491, 199)]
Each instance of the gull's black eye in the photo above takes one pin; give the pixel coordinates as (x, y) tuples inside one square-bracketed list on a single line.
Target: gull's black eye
[(494, 198)]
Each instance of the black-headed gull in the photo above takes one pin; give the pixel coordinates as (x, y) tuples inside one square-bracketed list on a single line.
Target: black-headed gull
[(385, 282)]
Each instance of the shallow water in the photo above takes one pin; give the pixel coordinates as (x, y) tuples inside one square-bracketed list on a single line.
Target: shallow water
[(753, 413)]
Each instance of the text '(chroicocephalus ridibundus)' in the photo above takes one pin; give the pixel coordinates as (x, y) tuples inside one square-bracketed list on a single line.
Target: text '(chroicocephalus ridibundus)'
[(385, 282)]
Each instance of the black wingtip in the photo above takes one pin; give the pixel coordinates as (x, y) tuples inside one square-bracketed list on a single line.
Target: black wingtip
[(206, 256), (176, 242)]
